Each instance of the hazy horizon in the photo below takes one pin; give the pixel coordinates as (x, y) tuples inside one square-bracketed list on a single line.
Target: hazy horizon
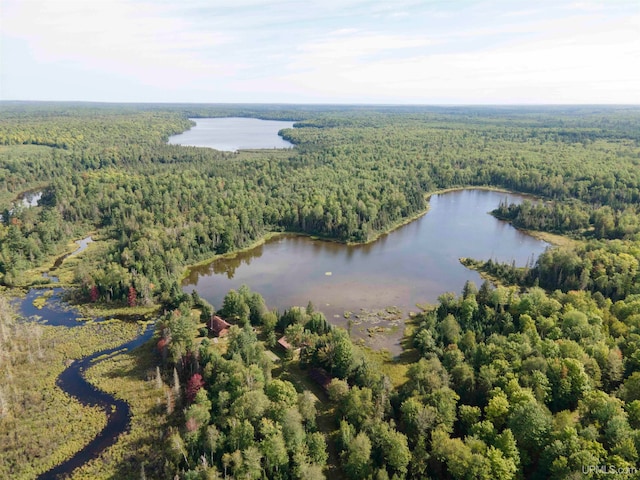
[(355, 52), (320, 104)]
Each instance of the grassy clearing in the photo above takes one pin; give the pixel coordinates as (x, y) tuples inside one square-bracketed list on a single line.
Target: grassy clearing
[(106, 310), (553, 238), (396, 367)]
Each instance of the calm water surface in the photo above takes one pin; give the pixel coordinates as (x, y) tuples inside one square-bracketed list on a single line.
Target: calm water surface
[(55, 311), (231, 134), (414, 264), (26, 200), (31, 198)]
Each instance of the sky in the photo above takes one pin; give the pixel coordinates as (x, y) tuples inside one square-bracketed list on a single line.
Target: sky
[(327, 51)]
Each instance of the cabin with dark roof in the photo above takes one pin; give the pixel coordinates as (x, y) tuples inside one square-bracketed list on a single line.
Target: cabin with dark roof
[(284, 344), (217, 326)]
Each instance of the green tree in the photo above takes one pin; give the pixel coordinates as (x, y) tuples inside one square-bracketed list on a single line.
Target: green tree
[(356, 457)]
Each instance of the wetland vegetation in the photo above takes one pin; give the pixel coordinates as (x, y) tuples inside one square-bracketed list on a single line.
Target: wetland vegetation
[(533, 378)]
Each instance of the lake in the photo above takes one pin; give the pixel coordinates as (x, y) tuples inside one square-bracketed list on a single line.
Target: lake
[(413, 264), (26, 199), (30, 198), (231, 134)]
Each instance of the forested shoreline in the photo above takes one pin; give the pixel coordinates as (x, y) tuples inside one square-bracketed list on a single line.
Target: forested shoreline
[(535, 378)]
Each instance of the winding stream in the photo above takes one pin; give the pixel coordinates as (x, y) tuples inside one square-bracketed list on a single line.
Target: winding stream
[(118, 413), (55, 312), (82, 246)]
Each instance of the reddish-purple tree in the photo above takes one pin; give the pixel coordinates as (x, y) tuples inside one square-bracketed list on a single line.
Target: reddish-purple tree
[(132, 296), (94, 294), (194, 384)]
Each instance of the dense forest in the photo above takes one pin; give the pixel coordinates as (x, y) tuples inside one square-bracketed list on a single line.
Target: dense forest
[(535, 378)]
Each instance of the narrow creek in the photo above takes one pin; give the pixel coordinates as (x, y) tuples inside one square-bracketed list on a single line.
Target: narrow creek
[(117, 411), (56, 312)]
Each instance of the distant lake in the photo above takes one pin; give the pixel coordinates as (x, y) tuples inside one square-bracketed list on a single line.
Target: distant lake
[(26, 200), (413, 264), (232, 133), (30, 198)]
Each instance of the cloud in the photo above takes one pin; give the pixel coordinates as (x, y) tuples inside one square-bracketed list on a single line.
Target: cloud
[(331, 50), (598, 65), (353, 45), (137, 39)]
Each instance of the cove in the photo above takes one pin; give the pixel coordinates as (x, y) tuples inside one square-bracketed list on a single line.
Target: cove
[(413, 264), (55, 311), (232, 133)]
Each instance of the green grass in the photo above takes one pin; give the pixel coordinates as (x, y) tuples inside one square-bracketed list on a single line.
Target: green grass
[(396, 367), (39, 302), (553, 238), (107, 310)]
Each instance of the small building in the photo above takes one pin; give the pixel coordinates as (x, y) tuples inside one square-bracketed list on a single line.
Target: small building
[(284, 344), (217, 326)]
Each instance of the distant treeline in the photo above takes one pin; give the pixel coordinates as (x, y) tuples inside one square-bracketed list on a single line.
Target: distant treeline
[(356, 171)]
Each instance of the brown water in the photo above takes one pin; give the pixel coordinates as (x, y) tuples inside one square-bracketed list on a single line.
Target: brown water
[(413, 264)]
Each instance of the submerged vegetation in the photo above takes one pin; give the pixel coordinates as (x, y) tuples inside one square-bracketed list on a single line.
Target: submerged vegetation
[(535, 378)]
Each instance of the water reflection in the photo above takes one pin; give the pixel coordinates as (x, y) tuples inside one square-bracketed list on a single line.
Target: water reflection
[(30, 198), (232, 133), (229, 267), (414, 264)]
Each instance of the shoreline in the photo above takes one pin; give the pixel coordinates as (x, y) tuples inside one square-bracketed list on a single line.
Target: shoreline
[(553, 239), (474, 265), (375, 237)]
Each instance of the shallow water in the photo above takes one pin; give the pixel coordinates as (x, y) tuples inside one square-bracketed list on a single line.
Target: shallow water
[(413, 264)]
